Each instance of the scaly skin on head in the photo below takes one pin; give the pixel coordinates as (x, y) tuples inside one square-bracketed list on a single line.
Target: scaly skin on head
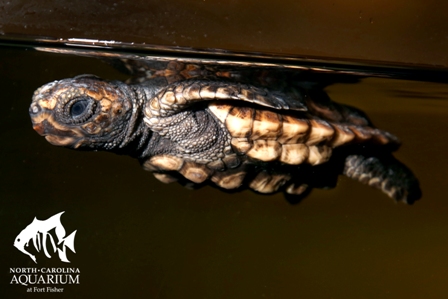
[(89, 113)]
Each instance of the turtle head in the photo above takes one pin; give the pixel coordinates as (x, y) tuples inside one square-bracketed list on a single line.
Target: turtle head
[(84, 112)]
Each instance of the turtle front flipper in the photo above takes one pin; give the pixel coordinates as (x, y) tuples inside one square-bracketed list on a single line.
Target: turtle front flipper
[(178, 113), (180, 95), (385, 173)]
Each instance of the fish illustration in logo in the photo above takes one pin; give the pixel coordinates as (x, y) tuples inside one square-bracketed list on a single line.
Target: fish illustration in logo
[(39, 232)]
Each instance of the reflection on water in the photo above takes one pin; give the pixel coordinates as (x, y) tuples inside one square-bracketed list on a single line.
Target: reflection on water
[(137, 237)]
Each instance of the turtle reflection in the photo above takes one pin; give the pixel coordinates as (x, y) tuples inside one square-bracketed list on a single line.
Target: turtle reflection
[(267, 129)]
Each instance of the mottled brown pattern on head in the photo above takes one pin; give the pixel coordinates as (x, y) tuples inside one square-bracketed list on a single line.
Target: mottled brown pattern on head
[(92, 128), (48, 103), (105, 105), (103, 120), (58, 134), (117, 109), (99, 106), (101, 90)]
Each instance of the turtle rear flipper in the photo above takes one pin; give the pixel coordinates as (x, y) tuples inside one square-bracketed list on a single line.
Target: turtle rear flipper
[(385, 173)]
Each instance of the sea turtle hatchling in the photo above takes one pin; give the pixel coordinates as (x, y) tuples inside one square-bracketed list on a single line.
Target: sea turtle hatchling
[(266, 129)]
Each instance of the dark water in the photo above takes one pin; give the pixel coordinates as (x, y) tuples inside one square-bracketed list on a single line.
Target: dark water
[(139, 238)]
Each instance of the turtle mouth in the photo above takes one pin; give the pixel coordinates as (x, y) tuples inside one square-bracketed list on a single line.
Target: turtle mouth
[(39, 128), (63, 141), (57, 136)]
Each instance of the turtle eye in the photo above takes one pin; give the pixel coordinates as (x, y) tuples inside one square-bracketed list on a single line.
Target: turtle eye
[(80, 110)]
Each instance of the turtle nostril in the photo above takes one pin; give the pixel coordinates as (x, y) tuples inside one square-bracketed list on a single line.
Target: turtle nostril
[(34, 108)]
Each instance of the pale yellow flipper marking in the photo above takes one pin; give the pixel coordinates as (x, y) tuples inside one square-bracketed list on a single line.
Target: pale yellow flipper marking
[(321, 131), (197, 173), (163, 162), (265, 150), (220, 111), (343, 135), (164, 177), (266, 125), (229, 181), (319, 154), (241, 145), (294, 130), (294, 154), (240, 122), (267, 183)]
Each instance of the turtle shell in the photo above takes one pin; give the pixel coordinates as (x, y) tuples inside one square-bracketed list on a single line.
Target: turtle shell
[(233, 125)]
